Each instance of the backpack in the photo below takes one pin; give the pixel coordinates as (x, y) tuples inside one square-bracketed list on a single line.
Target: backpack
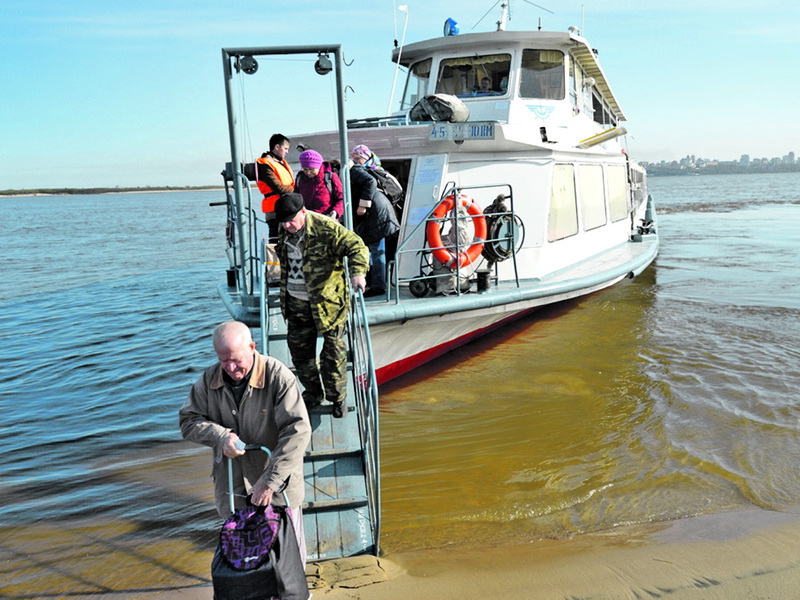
[(388, 184), (328, 178), (248, 535)]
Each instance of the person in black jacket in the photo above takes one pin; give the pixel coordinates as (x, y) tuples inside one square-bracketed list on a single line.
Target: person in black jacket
[(375, 219)]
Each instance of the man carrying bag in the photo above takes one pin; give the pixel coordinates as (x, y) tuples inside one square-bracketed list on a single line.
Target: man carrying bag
[(250, 398)]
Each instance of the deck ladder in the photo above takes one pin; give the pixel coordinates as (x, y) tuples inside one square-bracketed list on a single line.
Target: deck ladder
[(341, 512)]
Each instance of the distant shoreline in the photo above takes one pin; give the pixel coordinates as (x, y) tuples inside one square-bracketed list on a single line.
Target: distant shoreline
[(104, 190), (671, 170), (653, 170)]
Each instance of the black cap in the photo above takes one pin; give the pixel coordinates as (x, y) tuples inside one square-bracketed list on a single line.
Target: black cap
[(287, 207)]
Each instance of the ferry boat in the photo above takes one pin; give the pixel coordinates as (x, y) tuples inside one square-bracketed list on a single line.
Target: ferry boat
[(518, 190)]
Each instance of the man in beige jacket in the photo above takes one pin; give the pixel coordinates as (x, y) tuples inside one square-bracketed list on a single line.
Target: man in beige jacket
[(249, 398)]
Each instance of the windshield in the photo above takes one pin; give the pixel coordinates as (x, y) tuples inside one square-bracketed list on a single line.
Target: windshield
[(542, 74), (468, 76), (416, 84)]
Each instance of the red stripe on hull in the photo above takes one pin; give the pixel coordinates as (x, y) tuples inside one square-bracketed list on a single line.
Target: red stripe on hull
[(400, 367)]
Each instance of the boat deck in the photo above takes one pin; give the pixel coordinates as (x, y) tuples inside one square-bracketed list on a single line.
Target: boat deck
[(595, 273)]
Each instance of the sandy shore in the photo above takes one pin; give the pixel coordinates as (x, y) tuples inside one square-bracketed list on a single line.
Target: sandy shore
[(744, 555), (753, 554)]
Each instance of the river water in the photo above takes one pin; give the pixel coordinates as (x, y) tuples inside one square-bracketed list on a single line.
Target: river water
[(666, 396)]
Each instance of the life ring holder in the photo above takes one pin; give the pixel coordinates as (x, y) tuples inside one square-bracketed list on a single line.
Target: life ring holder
[(433, 234)]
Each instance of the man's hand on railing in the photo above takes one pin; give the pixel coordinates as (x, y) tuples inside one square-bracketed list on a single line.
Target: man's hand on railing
[(359, 283)]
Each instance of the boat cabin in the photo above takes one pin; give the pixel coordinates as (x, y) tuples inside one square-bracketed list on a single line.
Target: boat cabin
[(514, 77)]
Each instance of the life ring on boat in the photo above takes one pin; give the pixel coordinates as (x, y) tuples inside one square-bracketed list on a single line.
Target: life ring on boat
[(433, 232)]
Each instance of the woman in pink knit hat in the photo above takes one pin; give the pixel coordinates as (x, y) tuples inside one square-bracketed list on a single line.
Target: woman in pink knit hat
[(319, 186)]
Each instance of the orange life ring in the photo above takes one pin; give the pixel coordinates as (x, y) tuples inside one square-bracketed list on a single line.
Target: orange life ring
[(434, 236)]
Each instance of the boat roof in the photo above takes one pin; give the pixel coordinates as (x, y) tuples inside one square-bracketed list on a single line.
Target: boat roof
[(572, 43)]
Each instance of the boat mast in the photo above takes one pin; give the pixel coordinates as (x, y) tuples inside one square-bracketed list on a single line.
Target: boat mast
[(501, 24), (403, 8)]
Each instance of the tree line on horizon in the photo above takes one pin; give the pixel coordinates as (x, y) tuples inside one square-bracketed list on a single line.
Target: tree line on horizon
[(103, 190)]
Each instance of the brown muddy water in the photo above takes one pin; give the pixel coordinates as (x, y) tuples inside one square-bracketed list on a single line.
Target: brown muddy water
[(667, 396)]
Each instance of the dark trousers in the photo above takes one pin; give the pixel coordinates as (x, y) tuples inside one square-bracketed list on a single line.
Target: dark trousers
[(302, 340), (274, 229)]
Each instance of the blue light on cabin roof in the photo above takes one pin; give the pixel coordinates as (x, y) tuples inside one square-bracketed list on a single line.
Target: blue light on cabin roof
[(451, 27)]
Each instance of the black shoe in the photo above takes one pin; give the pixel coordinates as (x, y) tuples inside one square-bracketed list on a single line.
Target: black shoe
[(338, 410), (313, 402), (371, 292)]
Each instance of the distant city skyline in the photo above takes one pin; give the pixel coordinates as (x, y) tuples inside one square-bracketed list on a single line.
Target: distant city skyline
[(692, 164), (789, 158)]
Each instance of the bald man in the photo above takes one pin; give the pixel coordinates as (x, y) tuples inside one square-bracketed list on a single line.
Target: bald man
[(255, 399)]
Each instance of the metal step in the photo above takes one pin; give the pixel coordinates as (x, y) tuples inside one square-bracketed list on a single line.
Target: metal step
[(336, 504), (332, 453), (325, 409)]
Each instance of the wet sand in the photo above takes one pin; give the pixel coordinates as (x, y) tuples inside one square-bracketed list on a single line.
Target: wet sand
[(744, 555), (753, 554)]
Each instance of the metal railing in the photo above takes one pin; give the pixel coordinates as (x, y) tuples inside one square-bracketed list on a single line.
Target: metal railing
[(512, 239), (365, 388), (245, 258)]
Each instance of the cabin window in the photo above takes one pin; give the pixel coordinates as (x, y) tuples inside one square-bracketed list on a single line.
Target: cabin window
[(602, 112), (597, 105), (617, 192), (579, 93), (592, 196), (416, 84), (542, 74), (478, 76), (562, 221)]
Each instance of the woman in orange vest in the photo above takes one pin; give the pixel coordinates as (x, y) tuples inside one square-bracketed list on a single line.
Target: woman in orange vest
[(274, 178)]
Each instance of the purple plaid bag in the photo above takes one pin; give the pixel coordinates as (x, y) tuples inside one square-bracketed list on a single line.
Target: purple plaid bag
[(247, 536)]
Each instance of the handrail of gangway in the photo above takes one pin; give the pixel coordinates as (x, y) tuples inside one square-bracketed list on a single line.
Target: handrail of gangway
[(249, 280), (263, 305), (365, 388)]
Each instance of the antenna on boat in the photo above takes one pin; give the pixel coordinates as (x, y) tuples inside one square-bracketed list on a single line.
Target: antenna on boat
[(402, 8), (505, 14), (394, 20), (582, 27), (539, 6)]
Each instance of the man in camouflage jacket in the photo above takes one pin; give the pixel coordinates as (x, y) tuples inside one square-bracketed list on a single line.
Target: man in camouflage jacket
[(314, 296)]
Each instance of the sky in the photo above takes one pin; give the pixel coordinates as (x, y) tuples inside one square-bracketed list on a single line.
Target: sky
[(129, 94)]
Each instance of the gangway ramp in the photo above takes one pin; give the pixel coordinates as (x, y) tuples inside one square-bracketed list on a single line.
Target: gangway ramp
[(341, 512)]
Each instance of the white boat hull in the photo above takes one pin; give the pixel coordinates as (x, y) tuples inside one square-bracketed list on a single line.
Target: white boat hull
[(403, 340)]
